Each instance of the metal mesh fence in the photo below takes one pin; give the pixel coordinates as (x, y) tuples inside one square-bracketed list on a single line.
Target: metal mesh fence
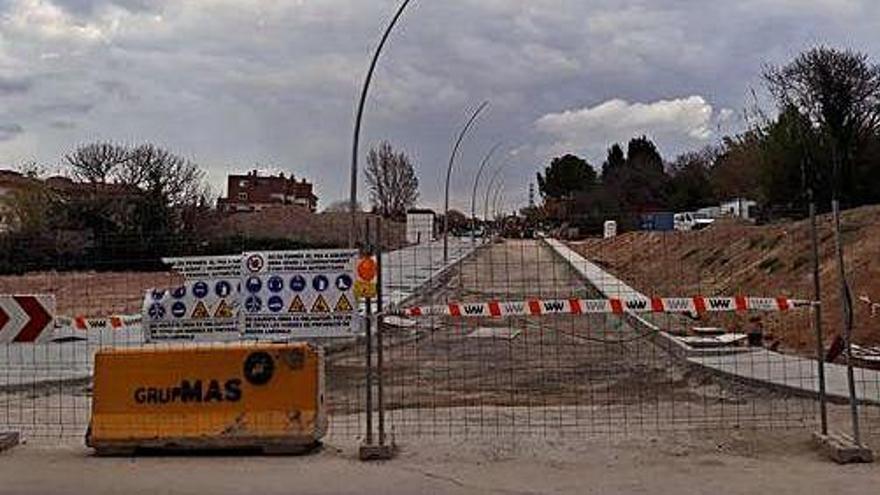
[(592, 374)]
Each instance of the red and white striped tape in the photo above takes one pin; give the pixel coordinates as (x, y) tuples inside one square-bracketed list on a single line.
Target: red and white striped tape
[(114, 322), (541, 307)]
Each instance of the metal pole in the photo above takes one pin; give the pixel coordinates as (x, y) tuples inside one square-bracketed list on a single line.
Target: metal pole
[(474, 194), (379, 323), (358, 119), (495, 204), (369, 332), (489, 191), (846, 299), (817, 317), (452, 156)]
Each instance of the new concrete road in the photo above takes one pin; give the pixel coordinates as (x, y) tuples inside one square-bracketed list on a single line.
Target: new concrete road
[(406, 271)]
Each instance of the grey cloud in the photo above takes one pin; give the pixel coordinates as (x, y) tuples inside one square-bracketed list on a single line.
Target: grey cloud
[(11, 85), (63, 108), (62, 125), (9, 131), (232, 83), (88, 7)]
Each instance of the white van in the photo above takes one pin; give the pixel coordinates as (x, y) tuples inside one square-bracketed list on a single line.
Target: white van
[(692, 221)]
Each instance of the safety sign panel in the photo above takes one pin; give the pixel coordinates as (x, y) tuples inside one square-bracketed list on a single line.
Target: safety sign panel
[(298, 294), (204, 308)]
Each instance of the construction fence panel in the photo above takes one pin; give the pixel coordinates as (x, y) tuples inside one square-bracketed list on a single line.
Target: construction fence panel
[(465, 353)]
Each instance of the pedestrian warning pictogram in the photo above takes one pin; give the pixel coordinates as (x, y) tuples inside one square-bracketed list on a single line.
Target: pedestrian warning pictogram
[(343, 305), (223, 310), (200, 312), (297, 306), (320, 305)]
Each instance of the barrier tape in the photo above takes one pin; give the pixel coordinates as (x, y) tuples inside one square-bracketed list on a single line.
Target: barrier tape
[(541, 307), (84, 323)]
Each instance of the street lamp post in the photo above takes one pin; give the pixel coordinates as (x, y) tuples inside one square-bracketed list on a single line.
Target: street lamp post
[(474, 194), (489, 191), (357, 122), (452, 156)]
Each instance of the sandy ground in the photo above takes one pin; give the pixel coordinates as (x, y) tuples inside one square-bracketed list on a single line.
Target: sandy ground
[(768, 260), (737, 463), (567, 406)]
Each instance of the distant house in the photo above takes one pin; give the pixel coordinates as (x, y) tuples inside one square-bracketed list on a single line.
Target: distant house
[(419, 226), (253, 192), (740, 208)]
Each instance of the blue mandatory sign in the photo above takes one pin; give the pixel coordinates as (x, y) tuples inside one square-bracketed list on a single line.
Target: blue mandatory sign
[(275, 304), (320, 283), (179, 293), (222, 288), (275, 284), (343, 282), (253, 304), (254, 284), (158, 294), (200, 290), (178, 310), (298, 283), (156, 311)]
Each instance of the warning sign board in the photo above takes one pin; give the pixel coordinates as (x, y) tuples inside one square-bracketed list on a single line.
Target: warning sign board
[(200, 310), (365, 286), (296, 294)]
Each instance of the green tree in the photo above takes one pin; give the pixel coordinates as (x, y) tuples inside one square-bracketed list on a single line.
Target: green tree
[(638, 182), (689, 186), (565, 177), (838, 94)]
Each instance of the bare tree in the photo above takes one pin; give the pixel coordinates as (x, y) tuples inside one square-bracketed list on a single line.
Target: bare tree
[(394, 187), (97, 162), (163, 176)]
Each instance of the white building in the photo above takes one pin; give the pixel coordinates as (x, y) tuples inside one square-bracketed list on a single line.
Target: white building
[(745, 209), (419, 226)]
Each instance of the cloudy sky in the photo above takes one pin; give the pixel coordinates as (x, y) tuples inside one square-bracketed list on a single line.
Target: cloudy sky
[(231, 83)]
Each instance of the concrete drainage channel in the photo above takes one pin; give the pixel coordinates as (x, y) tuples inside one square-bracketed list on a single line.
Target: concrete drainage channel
[(774, 369)]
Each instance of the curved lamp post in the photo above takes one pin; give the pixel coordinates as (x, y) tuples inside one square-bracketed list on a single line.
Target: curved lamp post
[(474, 194), (455, 148), (499, 194), (489, 191), (357, 122)]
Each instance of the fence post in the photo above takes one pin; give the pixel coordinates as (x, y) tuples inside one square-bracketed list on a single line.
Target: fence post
[(369, 351), (817, 319), (369, 451), (380, 318)]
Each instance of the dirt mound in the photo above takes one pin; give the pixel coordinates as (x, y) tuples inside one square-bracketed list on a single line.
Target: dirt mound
[(770, 260)]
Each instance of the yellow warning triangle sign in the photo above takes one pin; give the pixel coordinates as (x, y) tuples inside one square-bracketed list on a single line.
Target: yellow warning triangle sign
[(201, 311), (320, 305), (223, 310), (343, 305), (297, 306)]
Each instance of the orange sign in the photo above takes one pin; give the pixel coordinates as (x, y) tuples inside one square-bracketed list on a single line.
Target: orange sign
[(367, 269), (365, 285)]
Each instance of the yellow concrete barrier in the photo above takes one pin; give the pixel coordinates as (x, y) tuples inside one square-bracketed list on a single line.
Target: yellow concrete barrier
[(231, 396)]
